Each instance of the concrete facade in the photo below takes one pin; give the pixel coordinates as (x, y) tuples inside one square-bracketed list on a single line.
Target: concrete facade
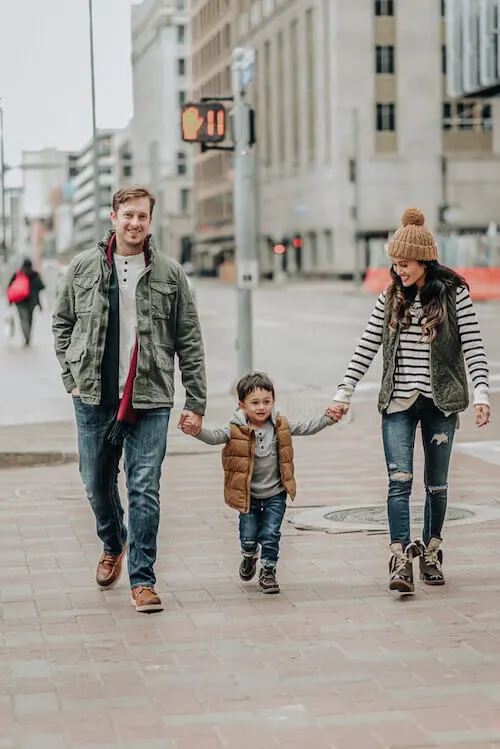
[(316, 76), (212, 32), (161, 83)]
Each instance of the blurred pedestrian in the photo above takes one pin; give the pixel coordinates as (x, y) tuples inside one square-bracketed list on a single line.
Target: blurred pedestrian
[(426, 323), (123, 311), (259, 471), (24, 291)]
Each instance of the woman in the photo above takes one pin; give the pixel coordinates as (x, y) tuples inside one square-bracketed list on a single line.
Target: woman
[(427, 325), (26, 305)]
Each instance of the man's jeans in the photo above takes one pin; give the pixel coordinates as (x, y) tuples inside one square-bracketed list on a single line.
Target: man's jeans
[(144, 449), (398, 431), (262, 526)]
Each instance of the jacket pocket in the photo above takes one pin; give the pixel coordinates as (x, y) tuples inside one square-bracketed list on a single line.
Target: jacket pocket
[(84, 290), (163, 359), (75, 353), (163, 297)]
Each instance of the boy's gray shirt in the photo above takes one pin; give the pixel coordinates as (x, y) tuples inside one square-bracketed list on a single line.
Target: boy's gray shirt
[(266, 478)]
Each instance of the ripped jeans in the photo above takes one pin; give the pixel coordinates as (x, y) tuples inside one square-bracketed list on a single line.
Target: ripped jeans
[(398, 432)]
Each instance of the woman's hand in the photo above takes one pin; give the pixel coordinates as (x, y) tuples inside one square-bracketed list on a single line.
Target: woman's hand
[(482, 415), (337, 410)]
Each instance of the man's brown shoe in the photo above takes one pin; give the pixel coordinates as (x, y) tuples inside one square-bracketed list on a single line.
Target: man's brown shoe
[(145, 600), (109, 569)]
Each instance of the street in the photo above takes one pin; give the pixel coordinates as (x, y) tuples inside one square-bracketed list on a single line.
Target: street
[(335, 661)]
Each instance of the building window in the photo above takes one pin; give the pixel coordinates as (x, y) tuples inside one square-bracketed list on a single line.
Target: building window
[(281, 97), (182, 98), (295, 94), (447, 116), (443, 59), (268, 105), (181, 34), (487, 118), (184, 200), (384, 7), (311, 84), (126, 165), (465, 115), (386, 117), (181, 163), (384, 59), (181, 66)]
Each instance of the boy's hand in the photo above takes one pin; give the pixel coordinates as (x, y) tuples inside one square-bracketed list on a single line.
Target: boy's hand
[(190, 423), (337, 410)]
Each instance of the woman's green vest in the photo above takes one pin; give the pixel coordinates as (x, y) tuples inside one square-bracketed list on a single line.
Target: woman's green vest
[(450, 391)]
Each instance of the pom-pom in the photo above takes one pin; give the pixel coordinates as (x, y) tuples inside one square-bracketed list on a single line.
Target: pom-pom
[(413, 216)]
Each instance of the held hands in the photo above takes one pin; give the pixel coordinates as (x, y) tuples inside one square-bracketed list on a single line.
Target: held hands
[(190, 423), (482, 415), (337, 410)]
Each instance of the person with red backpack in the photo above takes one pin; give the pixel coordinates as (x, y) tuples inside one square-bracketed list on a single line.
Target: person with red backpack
[(24, 291)]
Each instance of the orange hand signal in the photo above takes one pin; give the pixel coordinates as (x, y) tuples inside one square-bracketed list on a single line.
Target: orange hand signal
[(191, 123)]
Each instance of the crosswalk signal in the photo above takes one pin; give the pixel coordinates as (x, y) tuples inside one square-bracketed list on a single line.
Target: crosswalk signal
[(203, 122)]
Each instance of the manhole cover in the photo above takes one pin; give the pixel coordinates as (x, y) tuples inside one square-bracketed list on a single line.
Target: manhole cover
[(377, 515), (373, 518)]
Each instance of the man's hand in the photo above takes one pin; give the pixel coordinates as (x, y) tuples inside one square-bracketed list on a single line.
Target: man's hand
[(337, 410), (482, 415), (75, 393), (190, 423)]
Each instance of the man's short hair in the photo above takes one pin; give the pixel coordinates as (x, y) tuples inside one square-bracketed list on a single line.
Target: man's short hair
[(252, 382), (129, 193)]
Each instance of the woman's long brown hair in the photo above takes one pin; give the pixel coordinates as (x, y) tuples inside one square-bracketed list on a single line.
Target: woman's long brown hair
[(438, 278)]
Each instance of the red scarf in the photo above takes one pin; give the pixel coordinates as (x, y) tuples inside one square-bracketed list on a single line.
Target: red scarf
[(126, 411)]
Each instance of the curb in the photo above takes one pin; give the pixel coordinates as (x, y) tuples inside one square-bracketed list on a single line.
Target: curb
[(35, 459), (41, 459)]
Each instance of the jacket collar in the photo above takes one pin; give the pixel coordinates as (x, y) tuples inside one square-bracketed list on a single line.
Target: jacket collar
[(108, 242)]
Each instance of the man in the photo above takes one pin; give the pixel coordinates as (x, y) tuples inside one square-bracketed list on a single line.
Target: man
[(123, 311)]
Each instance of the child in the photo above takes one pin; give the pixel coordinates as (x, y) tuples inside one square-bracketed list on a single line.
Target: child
[(259, 471)]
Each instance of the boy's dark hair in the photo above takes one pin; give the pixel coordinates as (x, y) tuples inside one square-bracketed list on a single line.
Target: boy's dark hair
[(254, 381)]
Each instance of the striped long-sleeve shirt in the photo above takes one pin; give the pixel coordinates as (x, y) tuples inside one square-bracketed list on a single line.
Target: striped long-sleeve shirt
[(412, 375)]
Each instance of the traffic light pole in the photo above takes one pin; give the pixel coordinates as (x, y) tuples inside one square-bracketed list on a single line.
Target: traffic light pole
[(244, 196)]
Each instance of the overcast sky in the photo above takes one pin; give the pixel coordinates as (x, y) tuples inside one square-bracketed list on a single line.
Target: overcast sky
[(45, 71)]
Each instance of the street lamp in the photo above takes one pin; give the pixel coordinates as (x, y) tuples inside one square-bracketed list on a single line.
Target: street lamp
[(95, 145), (2, 187)]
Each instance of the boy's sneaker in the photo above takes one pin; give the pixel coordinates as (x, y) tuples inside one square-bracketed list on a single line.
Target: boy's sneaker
[(248, 567), (145, 600), (267, 580)]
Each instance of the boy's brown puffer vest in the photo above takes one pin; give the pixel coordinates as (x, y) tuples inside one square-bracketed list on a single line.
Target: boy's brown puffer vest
[(238, 458)]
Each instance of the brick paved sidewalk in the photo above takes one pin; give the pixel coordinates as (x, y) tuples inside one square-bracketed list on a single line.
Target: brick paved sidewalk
[(333, 662)]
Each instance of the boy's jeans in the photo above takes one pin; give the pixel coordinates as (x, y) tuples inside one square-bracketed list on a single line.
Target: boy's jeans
[(398, 431), (144, 450), (262, 526)]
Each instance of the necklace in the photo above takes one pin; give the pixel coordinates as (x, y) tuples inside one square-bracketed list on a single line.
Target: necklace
[(416, 312)]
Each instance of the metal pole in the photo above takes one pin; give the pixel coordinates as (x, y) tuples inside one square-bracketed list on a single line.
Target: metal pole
[(355, 209), (2, 188), (95, 144), (243, 195)]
